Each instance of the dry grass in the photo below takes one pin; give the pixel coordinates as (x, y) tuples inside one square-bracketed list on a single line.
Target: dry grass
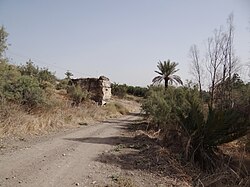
[(14, 120), (116, 108), (131, 105)]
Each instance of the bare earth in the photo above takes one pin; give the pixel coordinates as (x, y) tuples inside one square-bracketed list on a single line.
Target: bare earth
[(68, 159), (100, 155), (65, 160)]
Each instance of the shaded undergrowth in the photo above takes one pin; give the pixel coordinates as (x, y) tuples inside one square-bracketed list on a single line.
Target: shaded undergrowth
[(140, 149)]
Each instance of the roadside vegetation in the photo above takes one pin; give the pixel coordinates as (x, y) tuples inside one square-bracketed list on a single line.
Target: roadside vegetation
[(124, 91), (201, 123), (34, 101)]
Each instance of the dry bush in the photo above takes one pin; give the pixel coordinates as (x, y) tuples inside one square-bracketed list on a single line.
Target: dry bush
[(14, 120), (116, 108)]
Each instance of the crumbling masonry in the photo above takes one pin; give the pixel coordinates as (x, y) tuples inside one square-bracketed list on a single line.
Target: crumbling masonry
[(98, 88)]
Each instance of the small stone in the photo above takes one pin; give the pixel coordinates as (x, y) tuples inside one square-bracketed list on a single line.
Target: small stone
[(93, 182), (19, 182), (77, 184), (63, 154), (82, 123)]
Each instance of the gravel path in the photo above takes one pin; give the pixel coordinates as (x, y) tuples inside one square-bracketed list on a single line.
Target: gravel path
[(64, 160)]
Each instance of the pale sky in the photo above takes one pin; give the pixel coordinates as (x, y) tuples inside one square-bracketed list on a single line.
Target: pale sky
[(122, 40)]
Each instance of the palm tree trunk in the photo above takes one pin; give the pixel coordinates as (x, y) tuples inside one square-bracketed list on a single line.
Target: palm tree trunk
[(166, 83)]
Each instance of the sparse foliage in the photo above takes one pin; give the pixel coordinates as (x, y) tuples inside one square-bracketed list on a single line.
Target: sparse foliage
[(3, 40), (196, 66), (68, 75), (77, 94), (221, 65)]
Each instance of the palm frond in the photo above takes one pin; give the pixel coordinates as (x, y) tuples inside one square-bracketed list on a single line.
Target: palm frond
[(159, 72), (157, 80), (167, 69), (206, 134), (177, 79)]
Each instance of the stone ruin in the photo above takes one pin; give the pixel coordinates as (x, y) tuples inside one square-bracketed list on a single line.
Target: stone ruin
[(98, 88)]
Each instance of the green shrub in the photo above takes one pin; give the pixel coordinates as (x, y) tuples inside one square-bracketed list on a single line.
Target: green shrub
[(44, 75), (62, 84), (164, 107), (77, 94), (41, 74), (181, 108), (22, 89), (119, 90), (28, 92), (8, 75), (137, 91), (204, 135), (157, 108)]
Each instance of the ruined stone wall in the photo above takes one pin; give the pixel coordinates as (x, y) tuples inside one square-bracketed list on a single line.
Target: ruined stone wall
[(99, 89)]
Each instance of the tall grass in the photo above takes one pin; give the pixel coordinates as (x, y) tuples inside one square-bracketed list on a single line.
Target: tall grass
[(16, 121)]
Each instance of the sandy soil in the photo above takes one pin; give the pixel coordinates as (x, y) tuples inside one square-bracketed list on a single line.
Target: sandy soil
[(113, 153), (63, 160), (102, 154)]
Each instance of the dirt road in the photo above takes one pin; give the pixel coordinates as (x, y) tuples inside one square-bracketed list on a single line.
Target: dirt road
[(64, 160)]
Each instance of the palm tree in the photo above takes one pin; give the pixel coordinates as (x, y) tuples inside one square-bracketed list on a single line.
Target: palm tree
[(166, 73)]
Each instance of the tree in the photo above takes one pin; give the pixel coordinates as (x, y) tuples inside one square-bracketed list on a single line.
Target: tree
[(230, 65), (68, 75), (167, 72), (196, 67), (3, 39), (215, 57), (222, 64), (29, 69)]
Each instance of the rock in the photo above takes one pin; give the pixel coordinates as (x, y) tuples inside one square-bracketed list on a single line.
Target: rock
[(77, 184), (83, 123), (22, 139), (63, 154)]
